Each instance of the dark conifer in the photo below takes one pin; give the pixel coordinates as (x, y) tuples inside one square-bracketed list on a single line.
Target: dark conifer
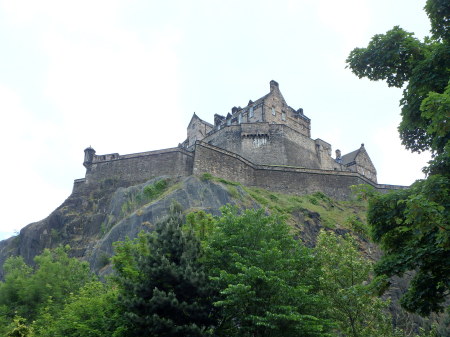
[(170, 294)]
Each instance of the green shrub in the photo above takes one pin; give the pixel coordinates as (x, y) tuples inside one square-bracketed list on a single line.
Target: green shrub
[(356, 225), (313, 200), (206, 176), (155, 190)]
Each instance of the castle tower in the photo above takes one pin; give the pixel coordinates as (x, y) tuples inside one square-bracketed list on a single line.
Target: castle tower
[(88, 157)]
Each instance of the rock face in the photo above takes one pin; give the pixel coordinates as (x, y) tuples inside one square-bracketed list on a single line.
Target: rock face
[(91, 222)]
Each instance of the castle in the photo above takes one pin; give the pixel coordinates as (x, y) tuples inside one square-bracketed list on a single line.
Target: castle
[(266, 144)]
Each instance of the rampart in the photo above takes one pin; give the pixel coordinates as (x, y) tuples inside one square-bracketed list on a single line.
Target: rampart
[(126, 170), (285, 179), (130, 169)]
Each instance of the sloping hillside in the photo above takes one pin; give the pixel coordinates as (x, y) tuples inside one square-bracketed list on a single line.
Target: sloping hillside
[(91, 222)]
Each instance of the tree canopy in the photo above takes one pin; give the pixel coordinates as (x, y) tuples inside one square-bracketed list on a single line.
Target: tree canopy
[(412, 226), (265, 278)]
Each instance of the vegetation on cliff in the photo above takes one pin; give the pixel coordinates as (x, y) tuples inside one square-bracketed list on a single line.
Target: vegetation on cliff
[(243, 273), (271, 264)]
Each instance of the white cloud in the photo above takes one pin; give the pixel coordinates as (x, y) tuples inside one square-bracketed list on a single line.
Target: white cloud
[(26, 196), (86, 15), (114, 83), (348, 19), (395, 164)]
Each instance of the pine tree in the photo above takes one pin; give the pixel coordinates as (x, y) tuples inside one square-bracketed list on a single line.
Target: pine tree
[(168, 295)]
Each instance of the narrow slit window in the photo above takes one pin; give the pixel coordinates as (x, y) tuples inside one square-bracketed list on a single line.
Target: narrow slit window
[(250, 112)]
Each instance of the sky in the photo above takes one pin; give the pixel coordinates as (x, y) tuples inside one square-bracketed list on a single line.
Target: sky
[(126, 77)]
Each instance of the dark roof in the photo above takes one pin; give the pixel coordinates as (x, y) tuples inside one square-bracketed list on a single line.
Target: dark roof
[(350, 157)]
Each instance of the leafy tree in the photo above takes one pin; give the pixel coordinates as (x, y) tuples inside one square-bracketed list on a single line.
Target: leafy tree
[(18, 328), (264, 276), (344, 282), (93, 312), (26, 290), (162, 287), (413, 226)]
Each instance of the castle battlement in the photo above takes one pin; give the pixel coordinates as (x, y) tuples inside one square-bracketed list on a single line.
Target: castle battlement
[(267, 144)]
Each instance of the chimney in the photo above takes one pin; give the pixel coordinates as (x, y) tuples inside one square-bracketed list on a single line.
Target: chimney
[(273, 85), (338, 157)]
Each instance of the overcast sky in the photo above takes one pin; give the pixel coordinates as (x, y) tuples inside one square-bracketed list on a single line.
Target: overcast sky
[(126, 77)]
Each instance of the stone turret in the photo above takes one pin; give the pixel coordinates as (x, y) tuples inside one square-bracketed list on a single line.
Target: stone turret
[(88, 157)]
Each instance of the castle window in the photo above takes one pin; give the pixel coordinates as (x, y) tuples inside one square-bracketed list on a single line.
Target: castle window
[(283, 116), (250, 112), (240, 118), (228, 121), (273, 111)]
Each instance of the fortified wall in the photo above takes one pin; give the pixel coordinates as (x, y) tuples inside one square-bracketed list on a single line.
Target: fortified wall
[(266, 144)]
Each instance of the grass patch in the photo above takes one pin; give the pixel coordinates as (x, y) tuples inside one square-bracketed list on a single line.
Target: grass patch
[(206, 176), (234, 192), (155, 190), (333, 214), (149, 193)]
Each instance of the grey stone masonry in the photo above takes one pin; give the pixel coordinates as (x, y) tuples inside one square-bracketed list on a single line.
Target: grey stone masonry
[(266, 144)]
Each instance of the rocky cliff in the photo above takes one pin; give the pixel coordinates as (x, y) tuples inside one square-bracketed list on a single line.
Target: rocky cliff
[(90, 222)]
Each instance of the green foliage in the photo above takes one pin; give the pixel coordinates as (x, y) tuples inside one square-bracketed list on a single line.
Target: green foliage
[(412, 226), (424, 67), (162, 287), (124, 259), (387, 57), (206, 176), (363, 191), (357, 226), (436, 109), (264, 276), (344, 276), (149, 193), (201, 223), (18, 328), (25, 290), (439, 14), (234, 192), (155, 190), (93, 312)]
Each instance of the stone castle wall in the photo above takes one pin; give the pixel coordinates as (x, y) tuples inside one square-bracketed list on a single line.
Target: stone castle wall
[(292, 180), (136, 168), (264, 143)]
